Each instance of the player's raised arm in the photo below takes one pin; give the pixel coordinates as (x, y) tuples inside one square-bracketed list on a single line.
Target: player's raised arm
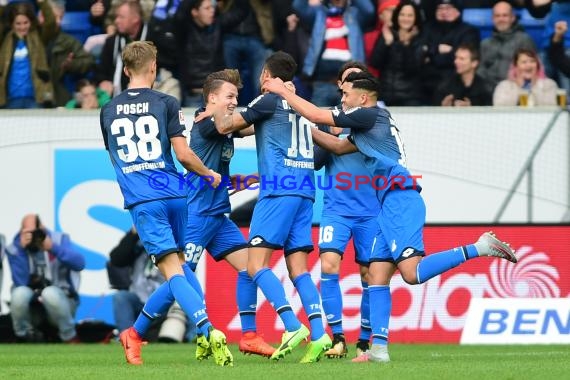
[(307, 109), (332, 143), (249, 131), (226, 124), (191, 162)]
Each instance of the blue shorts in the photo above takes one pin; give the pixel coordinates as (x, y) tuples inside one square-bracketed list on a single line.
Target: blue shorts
[(215, 233), (336, 231), (282, 222), (402, 218), (160, 225)]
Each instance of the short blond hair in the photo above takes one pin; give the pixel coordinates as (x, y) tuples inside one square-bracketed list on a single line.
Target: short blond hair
[(137, 55)]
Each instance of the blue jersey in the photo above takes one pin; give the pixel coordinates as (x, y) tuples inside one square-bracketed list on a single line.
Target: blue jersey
[(215, 151), (137, 126), (345, 196), (284, 148), (379, 140)]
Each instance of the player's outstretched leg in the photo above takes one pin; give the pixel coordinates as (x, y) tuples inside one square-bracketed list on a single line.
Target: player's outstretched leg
[(289, 341), (132, 344), (338, 348), (316, 349), (253, 343), (219, 347), (489, 245)]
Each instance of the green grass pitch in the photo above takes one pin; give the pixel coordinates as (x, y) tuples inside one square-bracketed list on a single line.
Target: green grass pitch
[(176, 361)]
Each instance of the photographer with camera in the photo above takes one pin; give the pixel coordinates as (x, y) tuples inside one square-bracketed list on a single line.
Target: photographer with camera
[(45, 274)]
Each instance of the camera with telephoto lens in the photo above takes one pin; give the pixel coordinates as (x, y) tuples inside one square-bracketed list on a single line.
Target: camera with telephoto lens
[(38, 237)]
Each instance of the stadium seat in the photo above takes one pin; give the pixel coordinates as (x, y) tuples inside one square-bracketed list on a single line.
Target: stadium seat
[(77, 24), (482, 18), (533, 26)]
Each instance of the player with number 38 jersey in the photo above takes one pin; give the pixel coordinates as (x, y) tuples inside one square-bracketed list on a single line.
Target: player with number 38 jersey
[(140, 127), (140, 150)]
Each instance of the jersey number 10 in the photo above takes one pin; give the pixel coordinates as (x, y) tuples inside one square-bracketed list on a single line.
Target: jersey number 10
[(301, 138)]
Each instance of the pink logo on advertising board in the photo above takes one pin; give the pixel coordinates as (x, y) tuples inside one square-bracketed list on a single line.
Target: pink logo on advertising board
[(532, 277)]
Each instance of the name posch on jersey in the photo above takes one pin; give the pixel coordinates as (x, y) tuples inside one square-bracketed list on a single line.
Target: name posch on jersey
[(143, 166), (132, 109)]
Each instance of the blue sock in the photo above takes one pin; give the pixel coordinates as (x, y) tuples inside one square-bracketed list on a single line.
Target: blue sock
[(365, 329), (332, 301), (246, 295), (193, 280), (311, 303), (437, 263), (190, 302), (158, 302), (380, 308), (272, 289)]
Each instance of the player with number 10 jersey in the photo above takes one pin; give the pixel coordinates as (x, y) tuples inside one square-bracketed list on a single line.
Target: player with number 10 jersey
[(283, 214), (284, 154)]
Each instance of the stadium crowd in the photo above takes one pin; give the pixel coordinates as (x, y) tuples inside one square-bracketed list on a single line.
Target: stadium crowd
[(425, 52)]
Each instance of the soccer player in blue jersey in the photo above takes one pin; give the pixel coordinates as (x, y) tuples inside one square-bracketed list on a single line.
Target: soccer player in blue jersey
[(347, 213), (140, 127), (208, 226), (399, 242), (283, 213)]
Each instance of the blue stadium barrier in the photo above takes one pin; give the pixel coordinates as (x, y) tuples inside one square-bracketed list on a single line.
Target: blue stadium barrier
[(482, 18), (78, 25)]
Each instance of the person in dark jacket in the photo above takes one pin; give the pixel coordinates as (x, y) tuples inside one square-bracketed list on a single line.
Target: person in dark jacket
[(66, 57), (444, 35), (497, 50), (556, 51), (247, 42), (25, 80), (199, 34), (399, 55), (130, 24), (465, 88)]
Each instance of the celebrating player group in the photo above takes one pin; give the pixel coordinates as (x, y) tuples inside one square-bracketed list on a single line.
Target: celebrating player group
[(141, 127)]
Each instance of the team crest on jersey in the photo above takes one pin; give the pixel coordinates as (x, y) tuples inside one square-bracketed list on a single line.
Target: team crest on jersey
[(181, 117)]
